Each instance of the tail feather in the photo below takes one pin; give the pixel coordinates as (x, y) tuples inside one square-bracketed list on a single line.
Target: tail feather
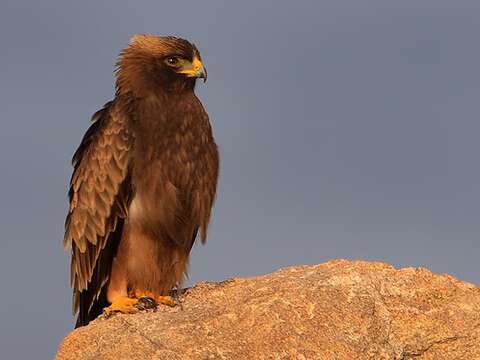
[(86, 315)]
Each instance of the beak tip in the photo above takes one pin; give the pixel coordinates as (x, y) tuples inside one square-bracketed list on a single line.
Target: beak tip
[(203, 75)]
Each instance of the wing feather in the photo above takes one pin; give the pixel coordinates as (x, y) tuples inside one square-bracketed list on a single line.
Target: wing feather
[(99, 194)]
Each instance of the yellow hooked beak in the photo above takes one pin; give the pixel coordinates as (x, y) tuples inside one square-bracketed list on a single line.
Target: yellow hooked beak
[(194, 69)]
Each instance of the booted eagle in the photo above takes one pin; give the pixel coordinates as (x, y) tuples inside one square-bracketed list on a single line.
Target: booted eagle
[(143, 184)]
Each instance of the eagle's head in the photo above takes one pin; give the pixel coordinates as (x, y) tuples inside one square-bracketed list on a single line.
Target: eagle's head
[(154, 64)]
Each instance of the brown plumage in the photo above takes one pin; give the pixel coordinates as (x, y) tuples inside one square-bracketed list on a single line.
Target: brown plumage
[(144, 180)]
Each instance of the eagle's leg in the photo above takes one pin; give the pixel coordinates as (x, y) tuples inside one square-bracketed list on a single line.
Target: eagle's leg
[(123, 304)]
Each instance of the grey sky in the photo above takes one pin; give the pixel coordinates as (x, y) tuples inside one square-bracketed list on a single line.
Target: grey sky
[(347, 129)]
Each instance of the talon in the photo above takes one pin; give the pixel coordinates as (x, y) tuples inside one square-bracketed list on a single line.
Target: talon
[(146, 303), (175, 295), (107, 314)]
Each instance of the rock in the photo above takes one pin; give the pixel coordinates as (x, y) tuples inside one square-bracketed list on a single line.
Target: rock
[(337, 310)]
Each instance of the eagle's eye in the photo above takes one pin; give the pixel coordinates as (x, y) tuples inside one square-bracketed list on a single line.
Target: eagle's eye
[(172, 60)]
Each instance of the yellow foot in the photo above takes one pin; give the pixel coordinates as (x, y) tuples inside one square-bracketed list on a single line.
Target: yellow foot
[(166, 300), (122, 304)]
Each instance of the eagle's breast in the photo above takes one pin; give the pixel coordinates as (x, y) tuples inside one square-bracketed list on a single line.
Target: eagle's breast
[(174, 169)]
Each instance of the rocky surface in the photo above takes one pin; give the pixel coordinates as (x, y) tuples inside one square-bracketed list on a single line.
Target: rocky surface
[(336, 310)]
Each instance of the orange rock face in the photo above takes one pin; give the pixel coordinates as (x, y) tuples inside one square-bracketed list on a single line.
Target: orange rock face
[(332, 311)]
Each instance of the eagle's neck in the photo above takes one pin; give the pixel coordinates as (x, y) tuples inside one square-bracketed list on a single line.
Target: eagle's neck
[(164, 114)]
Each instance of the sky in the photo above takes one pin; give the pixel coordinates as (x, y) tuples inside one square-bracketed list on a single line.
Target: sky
[(346, 128)]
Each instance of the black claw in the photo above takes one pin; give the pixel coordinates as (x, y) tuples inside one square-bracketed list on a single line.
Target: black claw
[(175, 294), (146, 303), (109, 314)]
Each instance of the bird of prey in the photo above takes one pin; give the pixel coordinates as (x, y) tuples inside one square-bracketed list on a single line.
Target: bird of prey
[(144, 182)]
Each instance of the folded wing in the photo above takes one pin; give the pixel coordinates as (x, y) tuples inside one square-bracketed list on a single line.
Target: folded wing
[(100, 191)]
